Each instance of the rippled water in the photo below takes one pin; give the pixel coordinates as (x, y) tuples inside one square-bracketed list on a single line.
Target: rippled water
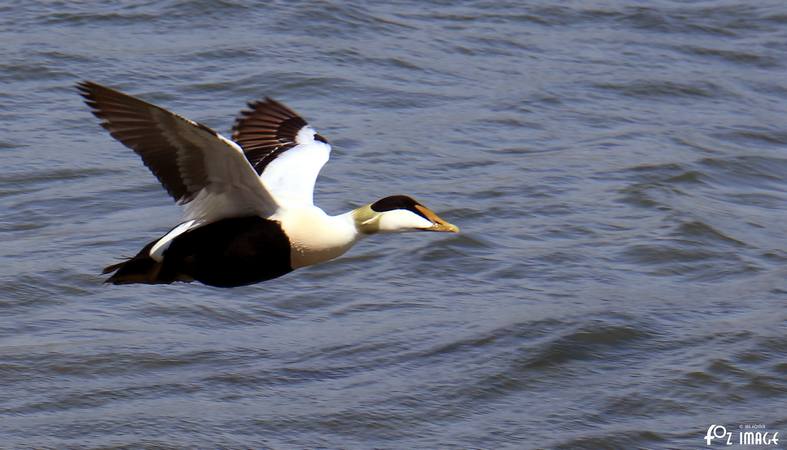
[(618, 170)]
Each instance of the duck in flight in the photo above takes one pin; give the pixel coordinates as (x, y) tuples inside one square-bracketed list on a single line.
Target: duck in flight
[(249, 212)]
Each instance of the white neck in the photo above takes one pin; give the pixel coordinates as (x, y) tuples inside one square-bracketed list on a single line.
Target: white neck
[(315, 236)]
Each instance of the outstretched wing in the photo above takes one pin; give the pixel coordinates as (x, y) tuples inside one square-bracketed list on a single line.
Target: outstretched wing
[(202, 170), (285, 151)]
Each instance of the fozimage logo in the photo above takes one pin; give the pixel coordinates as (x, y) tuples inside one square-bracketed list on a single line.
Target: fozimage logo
[(746, 434), (718, 432)]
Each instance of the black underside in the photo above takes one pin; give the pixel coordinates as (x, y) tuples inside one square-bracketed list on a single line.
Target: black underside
[(228, 253), (231, 252)]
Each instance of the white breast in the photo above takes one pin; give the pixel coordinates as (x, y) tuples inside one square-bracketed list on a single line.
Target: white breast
[(315, 236)]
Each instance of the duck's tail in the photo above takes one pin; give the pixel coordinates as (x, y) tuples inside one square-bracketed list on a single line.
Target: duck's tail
[(139, 269)]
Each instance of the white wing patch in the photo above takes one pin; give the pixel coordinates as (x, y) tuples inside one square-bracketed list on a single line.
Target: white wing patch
[(158, 249), (284, 150), (290, 178)]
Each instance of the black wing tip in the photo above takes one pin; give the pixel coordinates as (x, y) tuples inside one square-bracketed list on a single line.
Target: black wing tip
[(85, 89), (84, 85), (90, 91), (271, 105), (266, 106), (263, 101)]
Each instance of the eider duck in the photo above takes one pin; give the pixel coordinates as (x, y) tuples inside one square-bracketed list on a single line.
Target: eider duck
[(249, 213)]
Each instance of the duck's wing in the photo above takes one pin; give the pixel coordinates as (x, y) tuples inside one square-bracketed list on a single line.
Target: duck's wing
[(285, 151), (201, 169)]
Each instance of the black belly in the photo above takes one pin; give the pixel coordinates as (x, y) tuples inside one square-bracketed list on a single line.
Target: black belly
[(230, 252)]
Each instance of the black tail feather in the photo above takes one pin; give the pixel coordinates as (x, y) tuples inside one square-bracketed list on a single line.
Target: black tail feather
[(114, 267), (139, 269)]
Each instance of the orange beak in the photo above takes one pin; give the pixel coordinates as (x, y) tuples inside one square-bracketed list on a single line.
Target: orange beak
[(438, 223)]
